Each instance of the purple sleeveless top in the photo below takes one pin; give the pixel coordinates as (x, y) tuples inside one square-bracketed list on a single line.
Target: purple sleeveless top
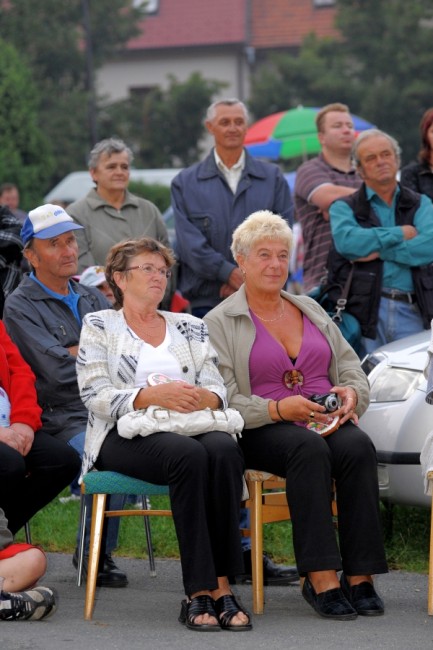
[(269, 364)]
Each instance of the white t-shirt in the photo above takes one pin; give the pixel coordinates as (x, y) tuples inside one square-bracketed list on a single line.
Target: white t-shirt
[(157, 359)]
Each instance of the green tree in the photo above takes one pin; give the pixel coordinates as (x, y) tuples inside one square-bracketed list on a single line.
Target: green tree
[(313, 77), (53, 38), (25, 157), (380, 67), (391, 44), (165, 128)]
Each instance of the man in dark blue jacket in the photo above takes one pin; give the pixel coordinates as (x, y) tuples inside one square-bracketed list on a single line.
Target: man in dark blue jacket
[(211, 198)]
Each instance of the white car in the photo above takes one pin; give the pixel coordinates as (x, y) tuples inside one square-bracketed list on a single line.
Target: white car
[(398, 418)]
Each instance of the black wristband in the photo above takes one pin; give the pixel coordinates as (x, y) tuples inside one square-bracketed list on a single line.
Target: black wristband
[(278, 412)]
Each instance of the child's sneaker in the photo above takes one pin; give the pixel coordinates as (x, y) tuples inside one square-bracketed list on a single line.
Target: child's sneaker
[(30, 605)]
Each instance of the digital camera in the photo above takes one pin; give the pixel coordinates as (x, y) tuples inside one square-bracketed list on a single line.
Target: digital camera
[(330, 401)]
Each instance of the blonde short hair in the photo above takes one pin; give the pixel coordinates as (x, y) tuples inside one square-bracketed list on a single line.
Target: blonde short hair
[(329, 108), (260, 225)]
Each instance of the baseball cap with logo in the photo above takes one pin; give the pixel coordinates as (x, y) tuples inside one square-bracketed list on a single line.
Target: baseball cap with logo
[(93, 276), (47, 221)]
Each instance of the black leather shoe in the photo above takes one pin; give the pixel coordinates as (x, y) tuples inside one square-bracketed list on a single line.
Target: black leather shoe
[(363, 598), (110, 576), (329, 604), (273, 574)]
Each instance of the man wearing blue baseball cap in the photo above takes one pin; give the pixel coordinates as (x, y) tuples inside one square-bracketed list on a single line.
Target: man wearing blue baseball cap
[(43, 316)]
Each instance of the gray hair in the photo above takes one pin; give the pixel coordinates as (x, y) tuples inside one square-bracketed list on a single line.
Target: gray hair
[(232, 101), (260, 225), (108, 146), (372, 133)]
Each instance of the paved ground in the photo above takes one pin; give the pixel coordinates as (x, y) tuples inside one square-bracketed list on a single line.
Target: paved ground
[(144, 616)]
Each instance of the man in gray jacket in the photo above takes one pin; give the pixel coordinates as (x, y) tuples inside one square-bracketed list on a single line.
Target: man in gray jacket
[(43, 317)]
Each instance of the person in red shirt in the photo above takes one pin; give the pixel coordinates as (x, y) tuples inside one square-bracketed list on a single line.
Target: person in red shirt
[(34, 466), (21, 566)]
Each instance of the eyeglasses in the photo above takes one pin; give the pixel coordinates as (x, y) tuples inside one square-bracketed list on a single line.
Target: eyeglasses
[(149, 269)]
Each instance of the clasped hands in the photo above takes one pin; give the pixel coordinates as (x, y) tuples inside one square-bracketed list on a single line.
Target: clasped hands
[(18, 436), (178, 396)]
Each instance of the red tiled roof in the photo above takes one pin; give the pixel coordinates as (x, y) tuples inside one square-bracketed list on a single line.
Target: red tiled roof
[(181, 23), (285, 23)]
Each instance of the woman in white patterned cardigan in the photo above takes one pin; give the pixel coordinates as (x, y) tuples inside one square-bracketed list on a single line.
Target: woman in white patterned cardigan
[(119, 350)]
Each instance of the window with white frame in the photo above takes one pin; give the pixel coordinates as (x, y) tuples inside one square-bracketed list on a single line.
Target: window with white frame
[(323, 3), (147, 6)]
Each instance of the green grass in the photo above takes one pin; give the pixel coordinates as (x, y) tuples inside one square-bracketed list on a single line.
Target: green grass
[(408, 546), (55, 529)]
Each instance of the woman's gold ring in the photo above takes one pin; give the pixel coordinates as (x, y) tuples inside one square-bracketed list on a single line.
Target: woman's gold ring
[(312, 415)]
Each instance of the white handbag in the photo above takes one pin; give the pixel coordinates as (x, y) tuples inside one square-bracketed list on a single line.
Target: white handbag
[(154, 419)]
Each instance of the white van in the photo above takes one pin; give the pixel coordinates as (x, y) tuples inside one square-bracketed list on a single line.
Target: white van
[(76, 185)]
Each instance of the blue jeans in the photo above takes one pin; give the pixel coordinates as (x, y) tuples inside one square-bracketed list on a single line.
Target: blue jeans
[(244, 520), (396, 320), (114, 502)]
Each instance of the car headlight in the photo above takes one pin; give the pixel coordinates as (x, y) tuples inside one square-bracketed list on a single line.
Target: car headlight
[(392, 384), (370, 362)]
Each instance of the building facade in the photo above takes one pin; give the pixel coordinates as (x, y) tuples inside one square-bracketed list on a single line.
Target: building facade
[(223, 40)]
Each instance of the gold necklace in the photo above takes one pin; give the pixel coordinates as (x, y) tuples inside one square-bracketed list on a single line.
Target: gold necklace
[(272, 320)]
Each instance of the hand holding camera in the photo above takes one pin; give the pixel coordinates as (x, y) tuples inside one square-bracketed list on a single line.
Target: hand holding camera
[(331, 402)]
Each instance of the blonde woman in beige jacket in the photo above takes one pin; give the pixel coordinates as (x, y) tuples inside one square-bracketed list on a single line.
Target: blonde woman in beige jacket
[(277, 350)]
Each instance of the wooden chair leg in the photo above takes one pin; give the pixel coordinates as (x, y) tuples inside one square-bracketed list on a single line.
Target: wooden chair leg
[(430, 567), (98, 515), (255, 489)]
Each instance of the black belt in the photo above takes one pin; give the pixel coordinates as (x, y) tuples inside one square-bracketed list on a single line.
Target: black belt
[(410, 298)]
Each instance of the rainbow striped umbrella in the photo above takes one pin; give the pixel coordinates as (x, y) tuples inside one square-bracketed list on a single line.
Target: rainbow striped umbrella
[(289, 134)]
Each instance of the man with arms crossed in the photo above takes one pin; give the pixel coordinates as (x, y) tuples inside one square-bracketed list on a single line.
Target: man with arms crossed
[(319, 182), (384, 231)]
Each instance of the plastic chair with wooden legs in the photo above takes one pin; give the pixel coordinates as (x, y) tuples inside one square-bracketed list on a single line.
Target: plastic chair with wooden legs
[(100, 484)]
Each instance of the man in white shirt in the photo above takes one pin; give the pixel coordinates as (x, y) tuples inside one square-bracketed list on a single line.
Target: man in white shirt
[(211, 198)]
